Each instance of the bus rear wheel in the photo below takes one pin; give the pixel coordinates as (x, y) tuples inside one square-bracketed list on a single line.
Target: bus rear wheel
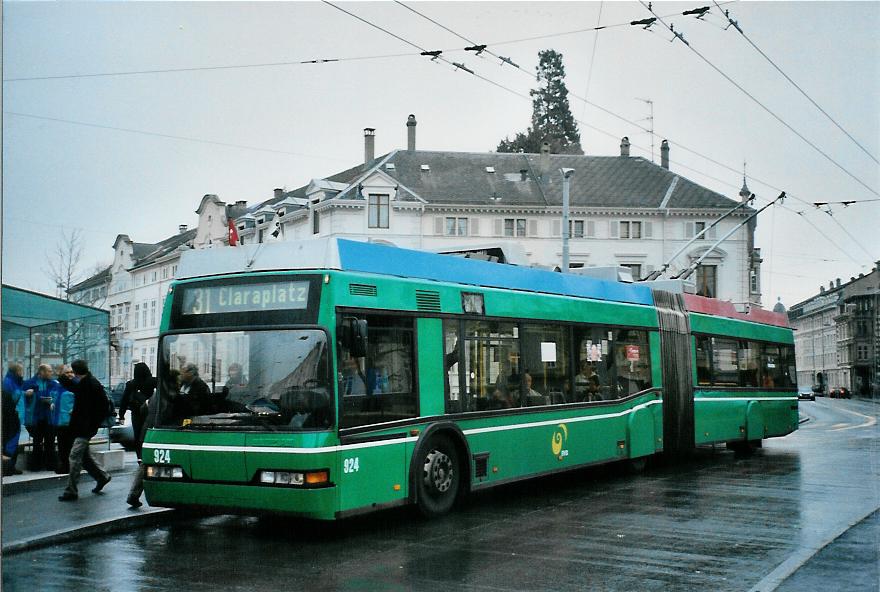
[(439, 477)]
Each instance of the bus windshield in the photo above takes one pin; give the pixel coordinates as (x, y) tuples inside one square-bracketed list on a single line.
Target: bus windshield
[(254, 380)]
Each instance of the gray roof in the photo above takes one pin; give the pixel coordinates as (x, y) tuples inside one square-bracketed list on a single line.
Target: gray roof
[(152, 252), (102, 277), (460, 178)]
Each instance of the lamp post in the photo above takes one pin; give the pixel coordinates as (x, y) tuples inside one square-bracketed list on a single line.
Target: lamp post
[(566, 175)]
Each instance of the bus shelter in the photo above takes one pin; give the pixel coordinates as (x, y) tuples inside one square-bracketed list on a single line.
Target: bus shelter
[(40, 329)]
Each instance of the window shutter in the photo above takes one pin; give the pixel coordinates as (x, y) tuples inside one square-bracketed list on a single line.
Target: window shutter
[(474, 225), (533, 228), (689, 230), (438, 225), (591, 228), (499, 227), (614, 226), (648, 229), (711, 234), (557, 227)]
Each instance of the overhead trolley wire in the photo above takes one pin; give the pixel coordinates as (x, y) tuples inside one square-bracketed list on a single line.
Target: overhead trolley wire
[(759, 103), (168, 136), (736, 26)]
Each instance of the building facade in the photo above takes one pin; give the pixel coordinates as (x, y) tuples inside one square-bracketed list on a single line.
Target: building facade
[(836, 335)]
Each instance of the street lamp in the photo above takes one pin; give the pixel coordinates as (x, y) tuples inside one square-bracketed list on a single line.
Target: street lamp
[(566, 175)]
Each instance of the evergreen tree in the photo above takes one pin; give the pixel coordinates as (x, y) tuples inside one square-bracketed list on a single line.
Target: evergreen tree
[(551, 116)]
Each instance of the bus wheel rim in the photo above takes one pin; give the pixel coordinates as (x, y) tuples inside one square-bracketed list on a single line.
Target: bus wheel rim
[(438, 471)]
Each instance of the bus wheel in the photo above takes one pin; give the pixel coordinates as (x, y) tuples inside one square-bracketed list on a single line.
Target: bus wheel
[(438, 483)]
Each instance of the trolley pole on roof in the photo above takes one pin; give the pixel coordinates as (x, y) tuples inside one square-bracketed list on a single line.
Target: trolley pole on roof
[(566, 175)]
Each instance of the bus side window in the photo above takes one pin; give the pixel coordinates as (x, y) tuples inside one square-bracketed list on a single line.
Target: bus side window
[(704, 361), (451, 384)]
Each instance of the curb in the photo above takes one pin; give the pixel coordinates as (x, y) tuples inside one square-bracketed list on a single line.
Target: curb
[(112, 525), (31, 485)]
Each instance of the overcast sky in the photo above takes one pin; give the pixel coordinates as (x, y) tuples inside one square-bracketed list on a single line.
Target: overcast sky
[(267, 126)]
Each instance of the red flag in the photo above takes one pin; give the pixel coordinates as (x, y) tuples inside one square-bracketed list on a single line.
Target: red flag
[(233, 233)]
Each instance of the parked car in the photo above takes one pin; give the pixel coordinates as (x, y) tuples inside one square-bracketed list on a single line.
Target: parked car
[(840, 392), (116, 394), (818, 390), (806, 394)]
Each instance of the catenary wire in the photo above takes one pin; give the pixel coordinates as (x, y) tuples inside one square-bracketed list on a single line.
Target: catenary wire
[(168, 136), (592, 58), (759, 103), (506, 88), (796, 85)]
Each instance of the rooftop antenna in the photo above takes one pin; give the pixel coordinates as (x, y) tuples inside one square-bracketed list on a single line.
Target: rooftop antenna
[(650, 120)]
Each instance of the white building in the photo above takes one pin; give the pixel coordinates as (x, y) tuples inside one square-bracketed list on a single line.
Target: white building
[(625, 211)]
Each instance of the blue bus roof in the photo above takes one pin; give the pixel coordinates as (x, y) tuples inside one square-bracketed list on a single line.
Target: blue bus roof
[(358, 256), (381, 259)]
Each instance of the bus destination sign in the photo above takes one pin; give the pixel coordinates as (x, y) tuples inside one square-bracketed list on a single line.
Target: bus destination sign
[(245, 298)]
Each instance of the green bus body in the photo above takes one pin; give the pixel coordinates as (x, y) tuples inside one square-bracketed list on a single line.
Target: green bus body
[(370, 467)]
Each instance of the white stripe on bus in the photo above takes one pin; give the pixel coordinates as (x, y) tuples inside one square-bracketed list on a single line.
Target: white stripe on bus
[(346, 447)]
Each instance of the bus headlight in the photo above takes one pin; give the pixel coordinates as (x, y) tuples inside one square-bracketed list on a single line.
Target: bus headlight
[(164, 472), (294, 478)]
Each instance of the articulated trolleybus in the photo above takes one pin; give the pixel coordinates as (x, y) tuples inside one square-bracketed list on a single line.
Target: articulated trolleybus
[(329, 378)]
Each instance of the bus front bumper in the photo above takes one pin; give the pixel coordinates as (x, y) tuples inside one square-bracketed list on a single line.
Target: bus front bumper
[(231, 498)]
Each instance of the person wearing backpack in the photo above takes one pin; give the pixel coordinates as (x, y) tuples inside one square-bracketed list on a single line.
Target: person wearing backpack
[(89, 411), (61, 421), (137, 392)]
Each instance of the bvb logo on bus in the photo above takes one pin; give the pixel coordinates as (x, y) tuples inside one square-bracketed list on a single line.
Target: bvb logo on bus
[(560, 437)]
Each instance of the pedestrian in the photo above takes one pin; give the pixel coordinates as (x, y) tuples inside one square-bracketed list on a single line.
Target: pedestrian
[(63, 409), (89, 411), (158, 409), (9, 431), (137, 392), (12, 383), (40, 392)]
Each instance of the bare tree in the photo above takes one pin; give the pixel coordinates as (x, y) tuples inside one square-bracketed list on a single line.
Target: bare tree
[(63, 262)]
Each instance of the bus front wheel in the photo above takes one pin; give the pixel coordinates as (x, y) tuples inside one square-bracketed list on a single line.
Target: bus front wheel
[(440, 476)]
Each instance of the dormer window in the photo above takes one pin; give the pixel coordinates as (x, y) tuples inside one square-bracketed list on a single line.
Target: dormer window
[(390, 166), (490, 169), (426, 168), (260, 220)]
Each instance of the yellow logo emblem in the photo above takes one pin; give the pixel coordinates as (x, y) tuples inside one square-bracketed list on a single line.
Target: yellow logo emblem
[(560, 437)]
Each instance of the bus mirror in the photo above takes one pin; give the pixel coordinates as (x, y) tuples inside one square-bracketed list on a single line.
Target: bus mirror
[(356, 338)]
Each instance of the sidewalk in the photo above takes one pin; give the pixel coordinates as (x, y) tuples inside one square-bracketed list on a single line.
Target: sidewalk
[(33, 517)]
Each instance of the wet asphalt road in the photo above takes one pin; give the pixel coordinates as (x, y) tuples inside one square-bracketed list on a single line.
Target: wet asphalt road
[(717, 522)]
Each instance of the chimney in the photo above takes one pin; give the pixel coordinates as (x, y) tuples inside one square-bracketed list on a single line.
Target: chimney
[(277, 193), (411, 132), (664, 154), (837, 281), (624, 146), (545, 157), (181, 228), (821, 289), (523, 175), (369, 144), (830, 285)]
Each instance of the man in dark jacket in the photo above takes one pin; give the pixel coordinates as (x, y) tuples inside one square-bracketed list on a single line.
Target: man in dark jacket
[(89, 411), (195, 395)]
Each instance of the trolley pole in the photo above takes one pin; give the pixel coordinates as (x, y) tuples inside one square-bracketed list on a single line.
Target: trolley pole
[(566, 234)]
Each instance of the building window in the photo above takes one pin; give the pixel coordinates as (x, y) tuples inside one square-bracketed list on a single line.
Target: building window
[(699, 227), (630, 229), (456, 226), (707, 280), (316, 222), (377, 211), (153, 313), (154, 276), (173, 270), (164, 273), (145, 316), (753, 282), (137, 311), (514, 227), (576, 228)]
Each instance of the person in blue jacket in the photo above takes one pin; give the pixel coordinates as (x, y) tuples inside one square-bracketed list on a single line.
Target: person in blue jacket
[(61, 421), (40, 393), (12, 388)]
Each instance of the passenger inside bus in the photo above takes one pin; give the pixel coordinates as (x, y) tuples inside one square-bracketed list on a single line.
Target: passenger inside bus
[(532, 396)]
